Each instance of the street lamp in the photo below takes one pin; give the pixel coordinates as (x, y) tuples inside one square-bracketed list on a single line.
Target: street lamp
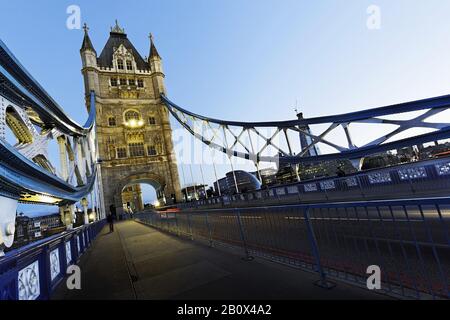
[(84, 203)]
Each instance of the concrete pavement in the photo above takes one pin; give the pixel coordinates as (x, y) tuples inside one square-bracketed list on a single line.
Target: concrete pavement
[(138, 262)]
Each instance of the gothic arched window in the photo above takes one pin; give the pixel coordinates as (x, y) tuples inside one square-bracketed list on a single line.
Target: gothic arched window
[(120, 64), (129, 65), (112, 121), (132, 115)]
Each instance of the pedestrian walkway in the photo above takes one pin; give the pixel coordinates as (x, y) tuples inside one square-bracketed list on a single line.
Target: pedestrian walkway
[(138, 262)]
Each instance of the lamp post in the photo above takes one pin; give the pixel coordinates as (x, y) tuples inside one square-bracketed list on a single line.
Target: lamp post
[(84, 203)]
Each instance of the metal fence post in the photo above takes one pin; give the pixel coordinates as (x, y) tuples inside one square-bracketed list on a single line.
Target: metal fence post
[(209, 230), (177, 229), (248, 257), (360, 186), (190, 226), (160, 220), (323, 282), (167, 222)]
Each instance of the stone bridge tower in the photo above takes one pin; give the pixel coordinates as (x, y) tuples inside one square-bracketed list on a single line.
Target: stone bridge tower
[(133, 129)]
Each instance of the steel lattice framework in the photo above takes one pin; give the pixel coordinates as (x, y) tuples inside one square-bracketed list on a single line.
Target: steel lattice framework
[(239, 139), (33, 119)]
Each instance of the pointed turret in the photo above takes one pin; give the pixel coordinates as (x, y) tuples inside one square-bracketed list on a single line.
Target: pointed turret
[(153, 52), (87, 43), (155, 63), (89, 60)]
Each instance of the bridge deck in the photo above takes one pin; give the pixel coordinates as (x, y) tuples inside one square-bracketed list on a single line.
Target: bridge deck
[(138, 262)]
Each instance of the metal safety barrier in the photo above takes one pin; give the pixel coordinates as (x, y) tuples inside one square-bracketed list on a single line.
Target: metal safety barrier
[(429, 178), (34, 271), (407, 239)]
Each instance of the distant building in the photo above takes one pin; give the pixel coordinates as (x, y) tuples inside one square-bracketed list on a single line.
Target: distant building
[(292, 173), (408, 154), (434, 151), (380, 160), (191, 193), (268, 176), (286, 174), (245, 181), (21, 236), (35, 228), (326, 169), (311, 171), (306, 140)]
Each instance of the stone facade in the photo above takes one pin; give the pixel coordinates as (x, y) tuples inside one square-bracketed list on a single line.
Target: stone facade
[(133, 129)]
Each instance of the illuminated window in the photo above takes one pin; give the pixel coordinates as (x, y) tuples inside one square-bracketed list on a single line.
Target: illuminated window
[(112, 121), (151, 120), (136, 149), (140, 83), (121, 153), (151, 151), (131, 115), (114, 82), (120, 64), (129, 65)]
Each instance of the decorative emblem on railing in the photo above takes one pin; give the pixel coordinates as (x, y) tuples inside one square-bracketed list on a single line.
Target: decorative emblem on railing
[(292, 189), (412, 173), (35, 278), (351, 182), (310, 187), (55, 267), (78, 244), (68, 253), (379, 177), (327, 185), (443, 169), (28, 282)]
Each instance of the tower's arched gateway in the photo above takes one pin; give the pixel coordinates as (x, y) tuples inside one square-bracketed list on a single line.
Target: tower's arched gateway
[(133, 129)]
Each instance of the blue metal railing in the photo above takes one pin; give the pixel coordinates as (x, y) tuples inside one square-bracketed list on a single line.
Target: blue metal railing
[(408, 239), (429, 178), (34, 271)]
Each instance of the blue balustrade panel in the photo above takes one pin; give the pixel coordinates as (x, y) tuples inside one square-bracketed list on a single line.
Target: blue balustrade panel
[(34, 271)]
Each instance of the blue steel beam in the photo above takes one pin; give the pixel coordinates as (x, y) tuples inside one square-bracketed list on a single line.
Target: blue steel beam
[(434, 105), (20, 176), (425, 104), (365, 151), (40, 107), (27, 176), (15, 70)]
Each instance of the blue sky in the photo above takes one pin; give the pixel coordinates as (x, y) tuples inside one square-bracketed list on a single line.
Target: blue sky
[(249, 60)]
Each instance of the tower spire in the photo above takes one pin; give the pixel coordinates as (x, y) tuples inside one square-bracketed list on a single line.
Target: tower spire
[(87, 44), (117, 28), (153, 52)]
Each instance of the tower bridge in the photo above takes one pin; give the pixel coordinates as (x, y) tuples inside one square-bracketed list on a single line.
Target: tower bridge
[(334, 227)]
